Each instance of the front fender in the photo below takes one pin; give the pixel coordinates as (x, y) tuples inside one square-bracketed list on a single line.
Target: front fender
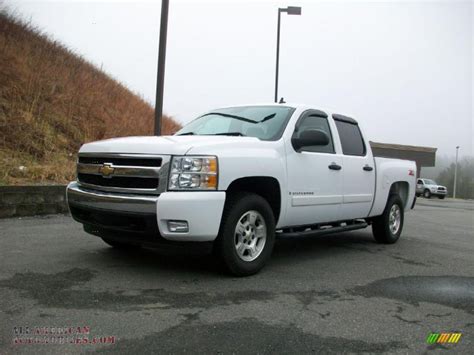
[(250, 159)]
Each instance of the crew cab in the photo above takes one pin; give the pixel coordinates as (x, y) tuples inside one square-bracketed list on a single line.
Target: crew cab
[(236, 178)]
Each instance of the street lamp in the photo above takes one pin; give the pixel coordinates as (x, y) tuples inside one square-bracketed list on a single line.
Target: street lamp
[(455, 172), (160, 80), (290, 10)]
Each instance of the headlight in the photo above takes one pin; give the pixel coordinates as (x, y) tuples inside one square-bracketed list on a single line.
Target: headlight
[(193, 173)]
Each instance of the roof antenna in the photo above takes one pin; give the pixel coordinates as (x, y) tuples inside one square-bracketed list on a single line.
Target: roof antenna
[(282, 101)]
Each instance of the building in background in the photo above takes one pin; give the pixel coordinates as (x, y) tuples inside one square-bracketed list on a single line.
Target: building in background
[(423, 156)]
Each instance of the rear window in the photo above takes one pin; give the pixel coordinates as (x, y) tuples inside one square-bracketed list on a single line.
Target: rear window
[(351, 138)]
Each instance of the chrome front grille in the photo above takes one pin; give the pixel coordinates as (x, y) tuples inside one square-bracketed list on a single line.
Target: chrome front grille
[(135, 160), (119, 181), (125, 173)]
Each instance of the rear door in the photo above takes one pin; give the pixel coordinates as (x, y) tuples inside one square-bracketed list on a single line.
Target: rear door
[(314, 176), (358, 186)]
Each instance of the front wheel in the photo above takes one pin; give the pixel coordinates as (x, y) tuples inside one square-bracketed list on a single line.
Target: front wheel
[(387, 228), (247, 234)]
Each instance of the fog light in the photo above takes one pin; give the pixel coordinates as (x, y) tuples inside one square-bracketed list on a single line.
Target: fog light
[(178, 226)]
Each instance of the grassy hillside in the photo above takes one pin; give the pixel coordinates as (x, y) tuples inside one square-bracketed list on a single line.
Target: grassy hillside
[(52, 101)]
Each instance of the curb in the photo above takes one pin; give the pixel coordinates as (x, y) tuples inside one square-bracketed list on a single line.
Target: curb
[(21, 201)]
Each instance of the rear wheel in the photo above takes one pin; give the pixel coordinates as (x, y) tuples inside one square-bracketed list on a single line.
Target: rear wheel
[(247, 234), (427, 194), (387, 228)]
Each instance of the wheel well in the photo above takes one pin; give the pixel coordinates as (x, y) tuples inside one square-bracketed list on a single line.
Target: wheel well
[(265, 186), (400, 188)]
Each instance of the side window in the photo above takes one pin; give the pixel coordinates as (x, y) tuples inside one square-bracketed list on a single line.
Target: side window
[(351, 138), (316, 122)]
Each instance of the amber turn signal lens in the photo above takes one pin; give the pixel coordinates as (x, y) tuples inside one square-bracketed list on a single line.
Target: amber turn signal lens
[(212, 181), (213, 165)]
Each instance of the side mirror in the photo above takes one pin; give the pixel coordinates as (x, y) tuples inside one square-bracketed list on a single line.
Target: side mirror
[(310, 137)]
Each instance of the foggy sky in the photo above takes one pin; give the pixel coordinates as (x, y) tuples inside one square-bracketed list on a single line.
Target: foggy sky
[(403, 69)]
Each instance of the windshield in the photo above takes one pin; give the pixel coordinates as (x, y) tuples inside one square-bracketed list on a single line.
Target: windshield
[(430, 182), (262, 122)]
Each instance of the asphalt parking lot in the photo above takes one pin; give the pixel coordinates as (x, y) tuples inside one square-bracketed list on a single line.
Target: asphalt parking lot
[(334, 294)]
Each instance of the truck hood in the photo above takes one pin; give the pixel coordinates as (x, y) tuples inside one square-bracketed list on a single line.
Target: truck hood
[(164, 145)]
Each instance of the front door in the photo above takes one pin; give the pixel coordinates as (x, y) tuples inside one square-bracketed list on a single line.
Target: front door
[(314, 176), (419, 186)]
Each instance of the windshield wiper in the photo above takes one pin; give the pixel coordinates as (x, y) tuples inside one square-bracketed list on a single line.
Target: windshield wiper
[(269, 117), (186, 134), (240, 118), (214, 134), (228, 134)]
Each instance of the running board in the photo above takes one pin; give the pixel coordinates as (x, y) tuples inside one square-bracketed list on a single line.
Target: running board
[(322, 231)]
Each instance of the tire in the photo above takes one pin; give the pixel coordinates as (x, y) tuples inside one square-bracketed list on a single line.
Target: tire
[(120, 245), (441, 197), (385, 228), (427, 193), (248, 225)]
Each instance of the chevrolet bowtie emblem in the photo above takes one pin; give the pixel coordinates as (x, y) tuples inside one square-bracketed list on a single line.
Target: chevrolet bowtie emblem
[(106, 170)]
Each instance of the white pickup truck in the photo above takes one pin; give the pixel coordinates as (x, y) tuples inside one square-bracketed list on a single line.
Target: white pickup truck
[(236, 178)]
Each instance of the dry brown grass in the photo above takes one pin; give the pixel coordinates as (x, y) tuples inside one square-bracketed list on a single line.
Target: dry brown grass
[(52, 101)]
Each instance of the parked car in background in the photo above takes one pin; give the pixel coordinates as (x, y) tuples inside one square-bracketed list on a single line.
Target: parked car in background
[(428, 188)]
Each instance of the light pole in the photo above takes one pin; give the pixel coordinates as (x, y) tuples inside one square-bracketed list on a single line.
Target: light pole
[(160, 79), (290, 10), (455, 172)]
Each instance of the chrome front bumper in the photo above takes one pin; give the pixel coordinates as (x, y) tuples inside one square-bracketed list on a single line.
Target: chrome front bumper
[(105, 211), (81, 197), (129, 219)]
